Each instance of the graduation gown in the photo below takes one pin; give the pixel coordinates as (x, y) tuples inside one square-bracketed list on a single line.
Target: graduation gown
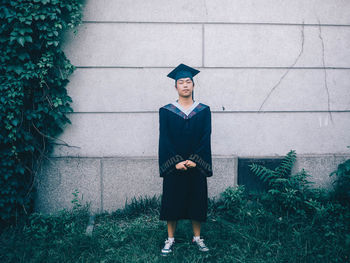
[(184, 137)]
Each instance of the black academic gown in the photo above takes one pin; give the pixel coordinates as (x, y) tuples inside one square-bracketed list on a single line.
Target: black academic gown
[(182, 137)]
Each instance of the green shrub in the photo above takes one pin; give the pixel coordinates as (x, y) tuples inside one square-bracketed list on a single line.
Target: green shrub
[(286, 192), (233, 198), (34, 102), (341, 183)]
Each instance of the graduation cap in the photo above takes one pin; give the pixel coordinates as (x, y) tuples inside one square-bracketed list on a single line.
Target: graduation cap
[(183, 71)]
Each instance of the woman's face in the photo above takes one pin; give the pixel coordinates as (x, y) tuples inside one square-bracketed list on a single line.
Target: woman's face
[(184, 87)]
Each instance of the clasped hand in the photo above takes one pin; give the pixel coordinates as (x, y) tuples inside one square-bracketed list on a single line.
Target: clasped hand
[(185, 164)]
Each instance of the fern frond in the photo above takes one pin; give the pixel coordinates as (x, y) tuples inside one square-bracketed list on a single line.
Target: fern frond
[(286, 165), (271, 177), (262, 172), (281, 180)]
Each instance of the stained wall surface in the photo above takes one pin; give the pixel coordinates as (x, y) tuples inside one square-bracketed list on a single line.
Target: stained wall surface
[(275, 74)]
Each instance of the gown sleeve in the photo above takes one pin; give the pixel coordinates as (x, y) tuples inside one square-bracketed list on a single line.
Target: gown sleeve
[(167, 155), (202, 153)]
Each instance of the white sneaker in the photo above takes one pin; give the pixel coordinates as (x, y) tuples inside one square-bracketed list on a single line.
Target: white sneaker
[(166, 250), (200, 244)]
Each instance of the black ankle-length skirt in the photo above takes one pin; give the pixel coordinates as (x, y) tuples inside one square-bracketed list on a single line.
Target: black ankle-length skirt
[(185, 196)]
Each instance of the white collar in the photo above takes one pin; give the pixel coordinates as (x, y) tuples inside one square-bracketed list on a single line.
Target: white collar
[(189, 110)]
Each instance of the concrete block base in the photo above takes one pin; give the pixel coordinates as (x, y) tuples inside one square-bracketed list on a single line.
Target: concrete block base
[(107, 183)]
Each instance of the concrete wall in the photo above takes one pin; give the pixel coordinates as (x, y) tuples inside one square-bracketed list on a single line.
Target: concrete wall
[(275, 74)]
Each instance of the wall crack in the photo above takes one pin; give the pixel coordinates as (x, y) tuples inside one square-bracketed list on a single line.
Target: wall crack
[(288, 69), (325, 71)]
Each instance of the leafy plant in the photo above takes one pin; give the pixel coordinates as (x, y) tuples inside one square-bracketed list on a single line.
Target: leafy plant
[(342, 182), (76, 200), (34, 102), (232, 197), (288, 191)]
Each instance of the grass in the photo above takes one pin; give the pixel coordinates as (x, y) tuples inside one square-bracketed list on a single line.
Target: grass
[(247, 232)]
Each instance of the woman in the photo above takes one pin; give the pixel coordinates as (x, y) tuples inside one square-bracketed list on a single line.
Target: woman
[(185, 159)]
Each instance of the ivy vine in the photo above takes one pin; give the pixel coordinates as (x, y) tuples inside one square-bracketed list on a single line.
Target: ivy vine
[(34, 72)]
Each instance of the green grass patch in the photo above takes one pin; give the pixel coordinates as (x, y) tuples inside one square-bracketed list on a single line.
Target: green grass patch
[(241, 227)]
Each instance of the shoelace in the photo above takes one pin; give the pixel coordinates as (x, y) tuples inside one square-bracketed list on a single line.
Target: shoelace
[(168, 244), (201, 243)]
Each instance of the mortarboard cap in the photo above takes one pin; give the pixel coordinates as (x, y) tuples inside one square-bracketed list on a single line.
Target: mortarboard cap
[(183, 71)]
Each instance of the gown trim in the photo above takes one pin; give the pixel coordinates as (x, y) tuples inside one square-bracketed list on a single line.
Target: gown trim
[(186, 111), (171, 107)]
